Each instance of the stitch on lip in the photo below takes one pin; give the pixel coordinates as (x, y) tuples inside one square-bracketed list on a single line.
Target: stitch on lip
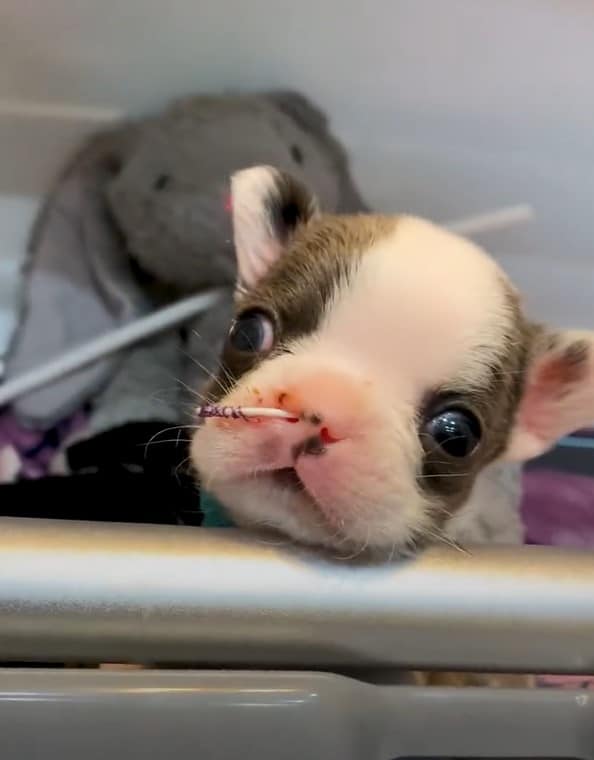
[(326, 437), (247, 413)]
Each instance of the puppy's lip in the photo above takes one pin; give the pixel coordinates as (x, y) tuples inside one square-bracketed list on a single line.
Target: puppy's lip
[(287, 480)]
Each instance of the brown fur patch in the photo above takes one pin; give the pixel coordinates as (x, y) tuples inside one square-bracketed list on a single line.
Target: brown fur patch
[(495, 404), (288, 205), (298, 287)]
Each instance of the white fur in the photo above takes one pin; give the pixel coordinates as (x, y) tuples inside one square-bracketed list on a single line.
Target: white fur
[(421, 305), (491, 515)]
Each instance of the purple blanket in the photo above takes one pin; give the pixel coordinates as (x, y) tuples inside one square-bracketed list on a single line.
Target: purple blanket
[(558, 508), (26, 453)]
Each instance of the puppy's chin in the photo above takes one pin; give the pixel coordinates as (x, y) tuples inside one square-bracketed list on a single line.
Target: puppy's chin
[(264, 503)]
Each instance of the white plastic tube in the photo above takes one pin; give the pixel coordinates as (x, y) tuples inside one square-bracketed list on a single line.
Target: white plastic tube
[(113, 341), (492, 220)]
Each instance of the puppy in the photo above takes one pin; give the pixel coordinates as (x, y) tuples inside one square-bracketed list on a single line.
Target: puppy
[(403, 350)]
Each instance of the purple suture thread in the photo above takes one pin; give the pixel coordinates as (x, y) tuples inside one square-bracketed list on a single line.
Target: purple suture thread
[(247, 413), (227, 412)]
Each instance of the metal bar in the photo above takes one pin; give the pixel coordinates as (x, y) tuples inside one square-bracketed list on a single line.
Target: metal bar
[(94, 592), (279, 716)]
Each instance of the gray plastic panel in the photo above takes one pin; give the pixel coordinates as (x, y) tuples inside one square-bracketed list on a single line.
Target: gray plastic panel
[(78, 592), (277, 716)]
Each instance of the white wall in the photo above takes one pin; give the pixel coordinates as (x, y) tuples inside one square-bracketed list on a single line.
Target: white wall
[(447, 106)]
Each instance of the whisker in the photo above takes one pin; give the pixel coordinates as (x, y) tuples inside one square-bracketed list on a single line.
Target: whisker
[(268, 524), (159, 395), (167, 430), (209, 373), (392, 552), (167, 440), (442, 538), (194, 392), (209, 347), (181, 464), (361, 550), (216, 356)]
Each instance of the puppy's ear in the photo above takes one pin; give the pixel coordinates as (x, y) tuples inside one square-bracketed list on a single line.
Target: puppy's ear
[(267, 207), (558, 396)]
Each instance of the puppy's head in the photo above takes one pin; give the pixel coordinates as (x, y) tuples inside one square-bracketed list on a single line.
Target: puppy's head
[(402, 349)]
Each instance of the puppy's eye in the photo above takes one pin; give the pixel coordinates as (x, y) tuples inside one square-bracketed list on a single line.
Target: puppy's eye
[(456, 431), (252, 332)]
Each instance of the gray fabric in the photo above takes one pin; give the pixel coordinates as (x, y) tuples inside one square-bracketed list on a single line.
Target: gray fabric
[(78, 286), (156, 365), (140, 219), (161, 379)]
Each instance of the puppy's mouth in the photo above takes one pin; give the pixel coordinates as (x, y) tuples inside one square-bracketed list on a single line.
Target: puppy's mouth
[(289, 481), (287, 477)]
